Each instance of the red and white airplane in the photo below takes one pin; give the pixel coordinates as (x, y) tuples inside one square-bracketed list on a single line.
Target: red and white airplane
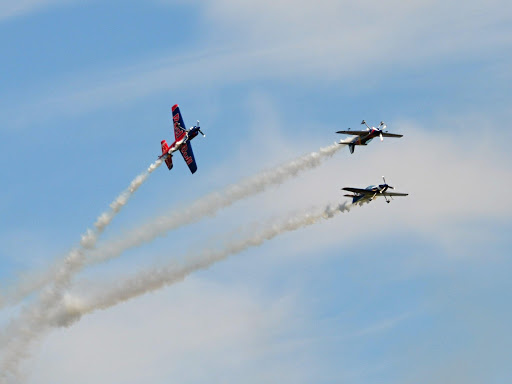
[(365, 136), (182, 142)]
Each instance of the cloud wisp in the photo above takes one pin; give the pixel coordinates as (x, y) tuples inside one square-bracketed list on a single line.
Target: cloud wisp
[(262, 47), (22, 331), (15, 8)]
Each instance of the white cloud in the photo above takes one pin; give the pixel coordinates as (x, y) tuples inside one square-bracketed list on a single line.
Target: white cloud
[(343, 35), (199, 331), (288, 18)]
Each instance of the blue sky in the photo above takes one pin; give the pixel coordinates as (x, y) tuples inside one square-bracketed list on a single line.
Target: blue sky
[(414, 291)]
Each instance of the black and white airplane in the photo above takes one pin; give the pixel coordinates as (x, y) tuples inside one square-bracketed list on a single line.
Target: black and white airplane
[(361, 196)]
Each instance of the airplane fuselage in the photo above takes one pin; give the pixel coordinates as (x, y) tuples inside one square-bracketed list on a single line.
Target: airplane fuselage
[(360, 196), (364, 140), (176, 145), (183, 138), (363, 198), (363, 137)]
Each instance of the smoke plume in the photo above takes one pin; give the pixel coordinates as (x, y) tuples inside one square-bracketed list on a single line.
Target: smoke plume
[(160, 276)]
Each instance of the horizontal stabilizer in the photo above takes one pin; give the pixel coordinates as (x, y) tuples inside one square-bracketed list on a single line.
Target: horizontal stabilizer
[(168, 161), (359, 190), (167, 156)]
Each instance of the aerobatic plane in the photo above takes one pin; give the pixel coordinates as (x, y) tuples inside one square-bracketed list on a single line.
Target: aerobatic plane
[(361, 196), (365, 136), (182, 143)]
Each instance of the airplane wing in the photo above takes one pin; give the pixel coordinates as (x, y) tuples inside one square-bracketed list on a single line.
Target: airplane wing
[(392, 194), (188, 156), (357, 133), (177, 119), (359, 190), (385, 134)]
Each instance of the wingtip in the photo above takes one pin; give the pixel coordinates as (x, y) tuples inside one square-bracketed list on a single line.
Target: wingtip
[(174, 107)]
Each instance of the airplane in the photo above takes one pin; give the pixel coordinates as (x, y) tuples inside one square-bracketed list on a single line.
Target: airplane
[(364, 137), (182, 142), (370, 193)]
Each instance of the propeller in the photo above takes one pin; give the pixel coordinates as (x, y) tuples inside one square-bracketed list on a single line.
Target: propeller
[(199, 129), (386, 184), (381, 128), (385, 188)]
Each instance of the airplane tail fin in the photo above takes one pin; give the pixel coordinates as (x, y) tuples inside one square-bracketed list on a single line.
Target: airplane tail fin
[(168, 159), (355, 198)]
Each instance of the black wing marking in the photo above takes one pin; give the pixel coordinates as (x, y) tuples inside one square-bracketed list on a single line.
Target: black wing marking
[(356, 133), (360, 191)]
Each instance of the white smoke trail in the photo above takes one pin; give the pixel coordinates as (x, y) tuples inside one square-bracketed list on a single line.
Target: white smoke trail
[(91, 236), (21, 332), (157, 277), (209, 205), (204, 206), (32, 282)]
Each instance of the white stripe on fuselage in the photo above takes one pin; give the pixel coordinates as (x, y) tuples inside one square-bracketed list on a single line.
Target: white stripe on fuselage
[(177, 145)]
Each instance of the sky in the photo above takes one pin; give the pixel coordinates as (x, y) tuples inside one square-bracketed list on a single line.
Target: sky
[(416, 291)]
